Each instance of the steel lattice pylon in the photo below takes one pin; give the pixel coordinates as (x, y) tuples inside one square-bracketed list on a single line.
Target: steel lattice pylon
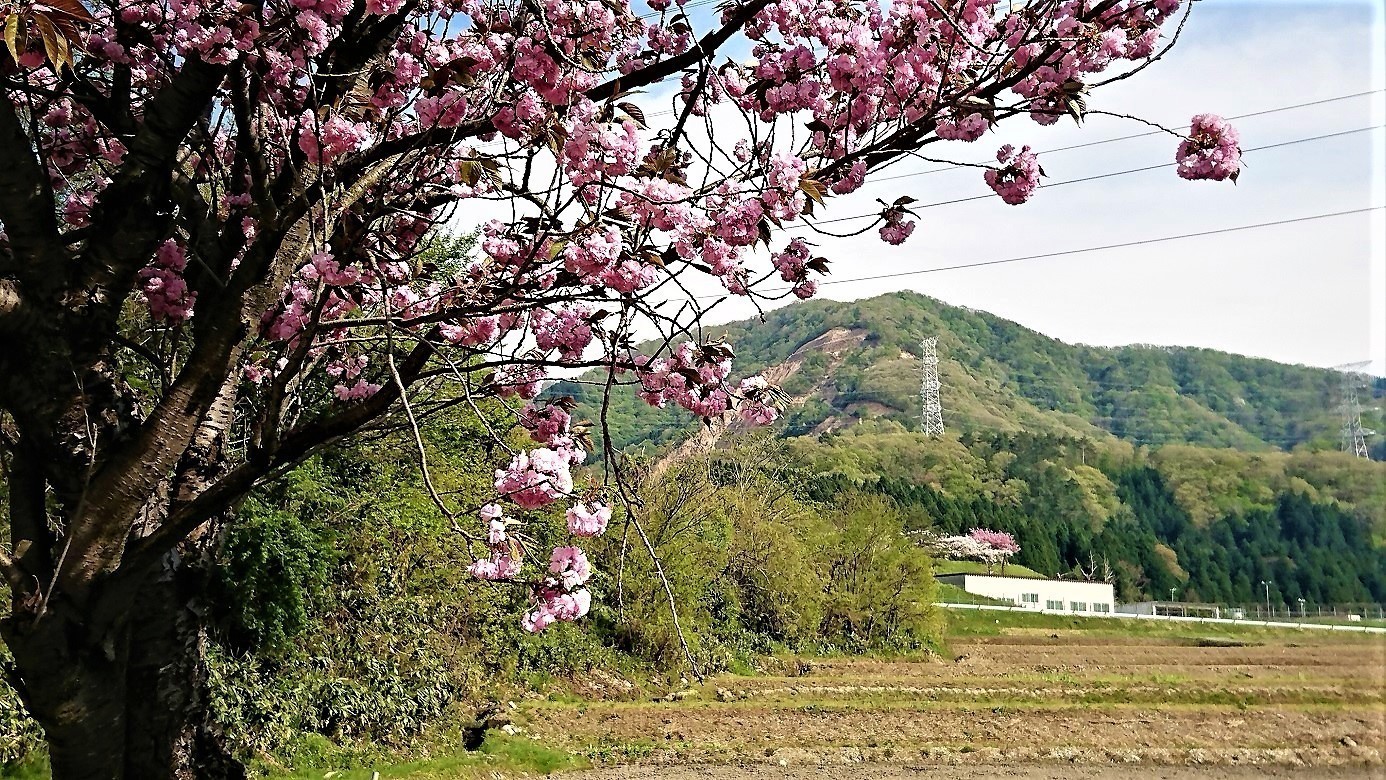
[(932, 416), (1354, 436)]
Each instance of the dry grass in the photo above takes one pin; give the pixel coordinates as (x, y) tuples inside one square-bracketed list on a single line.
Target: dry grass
[(1023, 694)]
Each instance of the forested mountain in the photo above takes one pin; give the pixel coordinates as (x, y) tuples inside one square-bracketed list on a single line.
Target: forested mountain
[(848, 361), (1159, 467), (1309, 524)]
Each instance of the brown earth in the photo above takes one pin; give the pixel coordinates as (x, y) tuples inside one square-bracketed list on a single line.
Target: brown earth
[(753, 772), (1027, 705)]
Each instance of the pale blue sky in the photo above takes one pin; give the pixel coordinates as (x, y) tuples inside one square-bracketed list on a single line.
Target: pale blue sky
[(1312, 293), (1307, 293)]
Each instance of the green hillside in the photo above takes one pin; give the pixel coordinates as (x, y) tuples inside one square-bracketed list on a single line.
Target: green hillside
[(1162, 469), (1000, 376)]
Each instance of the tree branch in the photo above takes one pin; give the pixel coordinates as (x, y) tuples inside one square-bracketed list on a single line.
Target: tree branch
[(26, 202), (132, 214), (296, 446)]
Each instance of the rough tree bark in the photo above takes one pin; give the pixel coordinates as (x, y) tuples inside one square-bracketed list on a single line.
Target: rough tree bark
[(120, 688)]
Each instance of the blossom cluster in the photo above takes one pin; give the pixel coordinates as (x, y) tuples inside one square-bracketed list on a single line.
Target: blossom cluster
[(323, 141), (896, 228), (1016, 181), (1211, 151), (535, 479), (693, 376), (165, 290), (501, 565), (588, 519), (538, 477), (756, 405), (793, 265)]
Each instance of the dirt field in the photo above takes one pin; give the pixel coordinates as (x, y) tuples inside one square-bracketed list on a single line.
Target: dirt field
[(1025, 704), (753, 772), (988, 772)]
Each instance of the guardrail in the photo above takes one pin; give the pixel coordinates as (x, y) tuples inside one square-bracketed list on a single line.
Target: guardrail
[(1176, 618)]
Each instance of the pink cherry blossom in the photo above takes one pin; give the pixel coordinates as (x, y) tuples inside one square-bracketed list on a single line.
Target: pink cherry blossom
[(164, 289), (494, 518), (755, 406), (588, 520), (326, 140), (553, 605), (567, 330), (498, 567), (536, 478), (896, 228), (1211, 151), (545, 422), (693, 377), (570, 566), (969, 127), (852, 180), (1017, 180), (999, 540)]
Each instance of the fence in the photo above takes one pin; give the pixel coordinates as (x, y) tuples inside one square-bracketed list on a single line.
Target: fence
[(1307, 623), (1308, 611)]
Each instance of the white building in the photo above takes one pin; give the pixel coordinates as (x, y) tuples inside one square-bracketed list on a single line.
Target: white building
[(1041, 595)]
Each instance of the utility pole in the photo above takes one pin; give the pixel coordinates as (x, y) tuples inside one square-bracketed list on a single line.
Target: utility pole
[(1266, 584), (932, 414), (1354, 435)]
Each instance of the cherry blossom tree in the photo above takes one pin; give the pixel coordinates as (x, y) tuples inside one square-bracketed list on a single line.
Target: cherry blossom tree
[(220, 255), (954, 548), (994, 547), (979, 544)]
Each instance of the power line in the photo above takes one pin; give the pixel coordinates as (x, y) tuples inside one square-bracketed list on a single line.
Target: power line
[(1095, 177), (1263, 112), (1122, 245), (1061, 253), (684, 7), (1145, 134), (1086, 144)]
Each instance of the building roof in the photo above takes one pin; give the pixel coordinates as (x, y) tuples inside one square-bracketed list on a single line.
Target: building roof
[(1014, 577)]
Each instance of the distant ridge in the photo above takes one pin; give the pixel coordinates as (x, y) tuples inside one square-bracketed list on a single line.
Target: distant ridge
[(847, 362)]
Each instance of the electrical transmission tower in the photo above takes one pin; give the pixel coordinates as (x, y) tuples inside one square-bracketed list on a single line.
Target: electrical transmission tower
[(1354, 435), (932, 416)]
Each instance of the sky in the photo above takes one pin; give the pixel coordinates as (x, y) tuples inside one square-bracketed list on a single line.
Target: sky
[(1311, 292)]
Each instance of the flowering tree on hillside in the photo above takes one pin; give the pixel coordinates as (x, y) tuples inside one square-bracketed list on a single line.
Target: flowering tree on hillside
[(979, 544), (214, 262), (995, 547), (954, 548)]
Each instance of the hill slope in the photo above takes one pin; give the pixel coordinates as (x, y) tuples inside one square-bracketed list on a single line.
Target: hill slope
[(1165, 469), (844, 362)]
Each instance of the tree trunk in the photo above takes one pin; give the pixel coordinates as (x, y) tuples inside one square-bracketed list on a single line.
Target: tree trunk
[(121, 691), (76, 692)]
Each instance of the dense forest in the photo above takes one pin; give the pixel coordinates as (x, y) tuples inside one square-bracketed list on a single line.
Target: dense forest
[(1148, 545)]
